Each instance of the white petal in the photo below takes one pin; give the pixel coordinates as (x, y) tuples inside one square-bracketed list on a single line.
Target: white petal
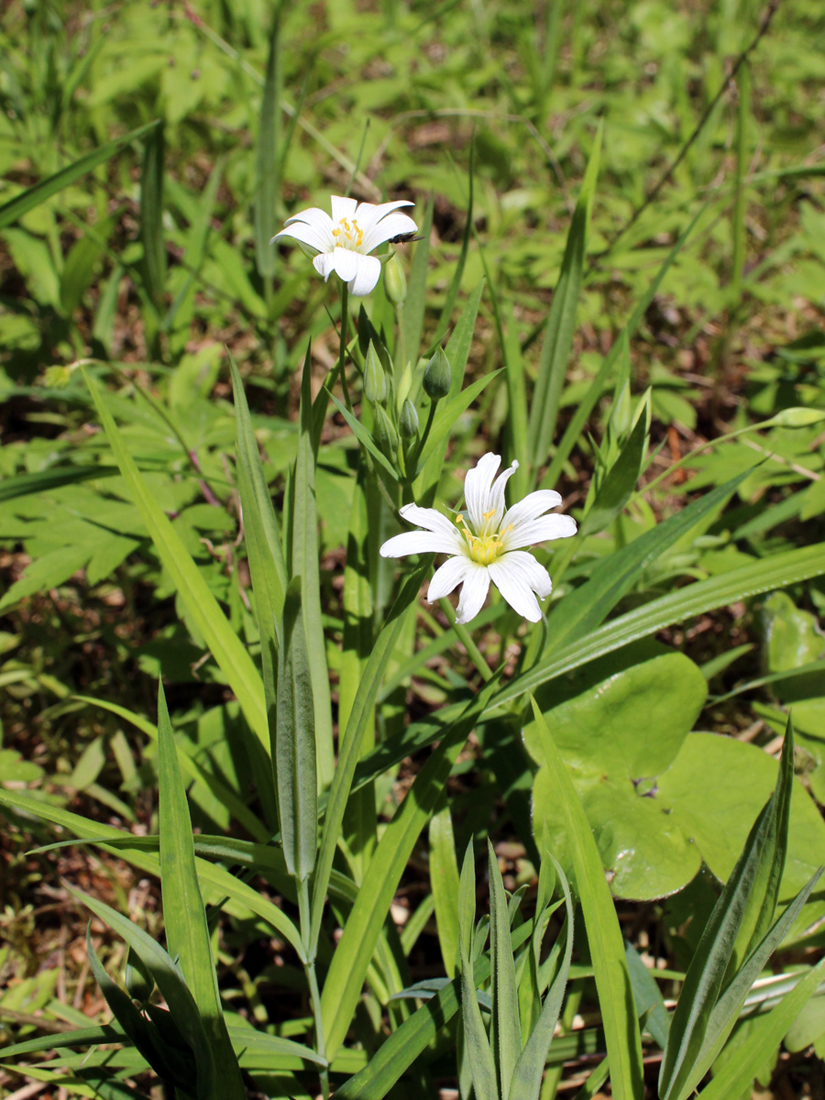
[(473, 592), (313, 216), (497, 504), (533, 506), (519, 578), (416, 542), (367, 273), (342, 208), (432, 520), (542, 529), (451, 573), (369, 214), (315, 236), (345, 263), (391, 226), (477, 489), (323, 264)]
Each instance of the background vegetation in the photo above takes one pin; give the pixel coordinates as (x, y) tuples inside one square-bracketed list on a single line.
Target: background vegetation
[(700, 231)]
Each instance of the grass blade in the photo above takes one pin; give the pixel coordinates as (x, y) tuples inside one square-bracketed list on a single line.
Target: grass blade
[(526, 1084), (603, 933), (412, 317), (478, 1053), (184, 918), (506, 1014), (362, 709), (151, 215), (444, 886), (573, 431), (267, 158), (561, 321), (342, 988), (221, 639), (33, 196)]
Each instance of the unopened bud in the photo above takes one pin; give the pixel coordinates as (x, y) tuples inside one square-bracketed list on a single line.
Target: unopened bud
[(437, 376), (796, 417), (408, 420), (384, 432), (395, 281), (375, 382)]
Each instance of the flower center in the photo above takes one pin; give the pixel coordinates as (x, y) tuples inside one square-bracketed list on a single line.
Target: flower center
[(484, 549), (348, 234)]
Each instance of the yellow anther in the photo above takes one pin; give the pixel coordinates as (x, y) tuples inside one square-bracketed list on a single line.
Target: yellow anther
[(486, 515), (336, 232)]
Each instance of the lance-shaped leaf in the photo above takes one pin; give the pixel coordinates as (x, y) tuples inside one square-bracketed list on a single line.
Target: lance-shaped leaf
[(561, 320), (172, 986), (527, 1076), (479, 1055), (603, 933), (295, 742), (303, 563), (506, 1016), (151, 214), (267, 158), (187, 931)]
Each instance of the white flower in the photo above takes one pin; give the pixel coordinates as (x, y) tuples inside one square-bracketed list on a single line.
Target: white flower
[(486, 546), (344, 241)]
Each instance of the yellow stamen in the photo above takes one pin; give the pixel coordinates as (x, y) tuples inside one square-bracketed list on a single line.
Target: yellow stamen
[(484, 549), (486, 515)]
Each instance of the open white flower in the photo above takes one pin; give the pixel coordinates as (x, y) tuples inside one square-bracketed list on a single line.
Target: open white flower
[(486, 545), (344, 241)]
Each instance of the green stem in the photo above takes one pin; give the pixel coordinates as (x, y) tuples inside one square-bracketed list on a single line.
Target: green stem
[(304, 912), (464, 637), (342, 349), (422, 441)]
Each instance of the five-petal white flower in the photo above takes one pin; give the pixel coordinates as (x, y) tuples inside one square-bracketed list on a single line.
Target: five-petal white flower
[(486, 545), (344, 241)]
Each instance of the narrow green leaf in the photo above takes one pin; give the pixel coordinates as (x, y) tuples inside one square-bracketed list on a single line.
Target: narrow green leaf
[(573, 431), (365, 438), (168, 1063), (526, 1083), (505, 1002), (224, 643), (227, 797), (704, 1016), (267, 157), (603, 933), (447, 414), (38, 193), (24, 485), (444, 886), (648, 996), (362, 710), (776, 571), (151, 214), (184, 918), (619, 483), (342, 988), (412, 317), (585, 608), (561, 320), (455, 283), (304, 563), (220, 882), (295, 742), (478, 1053), (171, 984), (767, 1033)]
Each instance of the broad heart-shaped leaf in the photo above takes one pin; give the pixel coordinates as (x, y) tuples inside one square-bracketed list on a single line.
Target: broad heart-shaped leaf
[(654, 837)]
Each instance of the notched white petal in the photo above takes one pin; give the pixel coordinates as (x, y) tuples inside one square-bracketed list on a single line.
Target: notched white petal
[(544, 529), (367, 274), (473, 593), (416, 542), (447, 577)]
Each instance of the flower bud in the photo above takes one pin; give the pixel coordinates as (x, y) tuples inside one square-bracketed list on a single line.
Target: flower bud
[(796, 417), (437, 376), (384, 431), (408, 420), (395, 281), (375, 383)]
